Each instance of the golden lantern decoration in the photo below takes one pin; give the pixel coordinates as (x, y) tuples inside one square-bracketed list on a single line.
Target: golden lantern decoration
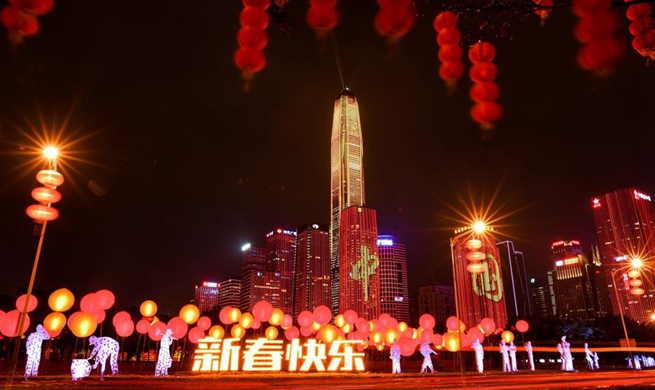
[(476, 268), (50, 178), (473, 244), (339, 320), (148, 308), (189, 313), (391, 335), (271, 333), (39, 212), (634, 274), (402, 326), (276, 317), (46, 195), (507, 336), (347, 328), (83, 324), (54, 322), (246, 320), (635, 282), (451, 342), (216, 332), (234, 314), (328, 333), (475, 256), (237, 331), (61, 300), (376, 337), (316, 326), (637, 291)]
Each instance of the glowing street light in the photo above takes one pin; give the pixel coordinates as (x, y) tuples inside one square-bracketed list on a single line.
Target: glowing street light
[(479, 227), (636, 263), (50, 152)]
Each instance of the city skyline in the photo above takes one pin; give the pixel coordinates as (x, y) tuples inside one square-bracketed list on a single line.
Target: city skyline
[(186, 167)]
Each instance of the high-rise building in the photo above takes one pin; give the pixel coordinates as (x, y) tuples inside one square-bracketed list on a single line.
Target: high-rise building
[(346, 176), (394, 291), (625, 226), (280, 260), (206, 296), (229, 293), (312, 276), (570, 276), (257, 282), (540, 297), (438, 300), (480, 295), (515, 281), (359, 287)]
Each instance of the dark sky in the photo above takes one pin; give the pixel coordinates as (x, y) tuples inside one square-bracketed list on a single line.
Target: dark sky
[(187, 167)]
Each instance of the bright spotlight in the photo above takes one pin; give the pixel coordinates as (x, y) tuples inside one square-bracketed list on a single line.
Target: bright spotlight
[(636, 262), (479, 227), (50, 152)]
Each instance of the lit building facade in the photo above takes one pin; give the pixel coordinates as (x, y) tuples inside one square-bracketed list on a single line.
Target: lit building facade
[(571, 277), (346, 176), (312, 276), (480, 295), (438, 300), (394, 291), (540, 297), (359, 288), (515, 281), (206, 296), (257, 282), (625, 227), (229, 293), (280, 261)]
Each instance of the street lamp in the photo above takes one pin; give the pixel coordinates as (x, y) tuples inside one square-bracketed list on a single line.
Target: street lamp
[(635, 266), (41, 213)]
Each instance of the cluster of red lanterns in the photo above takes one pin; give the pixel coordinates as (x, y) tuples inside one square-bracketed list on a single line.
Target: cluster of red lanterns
[(635, 283), (475, 256), (596, 29), (395, 18), (484, 92), (542, 11), (20, 16), (252, 38), (643, 29), (322, 16), (46, 195), (450, 51)]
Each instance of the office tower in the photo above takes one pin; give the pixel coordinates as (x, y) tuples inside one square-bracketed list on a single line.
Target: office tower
[(571, 275), (625, 227), (515, 281), (206, 296), (480, 295), (346, 175), (438, 300), (257, 282), (229, 293), (540, 298), (394, 291), (312, 276), (280, 258), (359, 288)]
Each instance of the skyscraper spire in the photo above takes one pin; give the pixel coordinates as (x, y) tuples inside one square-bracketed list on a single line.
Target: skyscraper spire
[(347, 174)]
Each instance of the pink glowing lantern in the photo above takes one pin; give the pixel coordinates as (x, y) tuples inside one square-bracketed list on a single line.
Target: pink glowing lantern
[(142, 326), (196, 334), (306, 319), (350, 316), (287, 321), (488, 325), (156, 331), (20, 303), (262, 311), (204, 323), (121, 316), (222, 315), (322, 315), (104, 299), (178, 326), (292, 333), (83, 324), (125, 328), (9, 324), (216, 332), (426, 321), (452, 323), (50, 178), (522, 326), (39, 212), (86, 304), (46, 195)]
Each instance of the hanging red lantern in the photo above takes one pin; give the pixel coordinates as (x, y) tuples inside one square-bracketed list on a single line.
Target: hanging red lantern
[(600, 26), (486, 114), (482, 72), (34, 7), (449, 36), (254, 17), (451, 71), (644, 42), (251, 61), (485, 92), (638, 11), (39, 212), (19, 21), (46, 195), (482, 52), (395, 18), (322, 16), (637, 291), (50, 178), (543, 12), (450, 52), (445, 19), (263, 4), (596, 29), (252, 38)]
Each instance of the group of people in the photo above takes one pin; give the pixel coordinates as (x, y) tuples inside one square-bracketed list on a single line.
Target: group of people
[(640, 361), (103, 348)]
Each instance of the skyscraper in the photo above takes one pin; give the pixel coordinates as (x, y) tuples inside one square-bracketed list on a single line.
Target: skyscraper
[(346, 175), (438, 300), (229, 293), (394, 291), (312, 276), (360, 275), (257, 282), (515, 281), (280, 259), (625, 226), (206, 296), (480, 295)]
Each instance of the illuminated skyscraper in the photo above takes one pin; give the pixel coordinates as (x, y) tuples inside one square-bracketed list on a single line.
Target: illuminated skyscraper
[(360, 275), (280, 259), (515, 281), (257, 282), (480, 295), (625, 226), (346, 176), (206, 296), (394, 293), (229, 293), (312, 276)]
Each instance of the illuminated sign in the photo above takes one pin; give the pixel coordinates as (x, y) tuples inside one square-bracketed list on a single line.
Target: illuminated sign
[(566, 243), (620, 258), (280, 231), (267, 355), (559, 263), (595, 203), (210, 284), (245, 247), (385, 242), (398, 299), (573, 260), (314, 226), (640, 195)]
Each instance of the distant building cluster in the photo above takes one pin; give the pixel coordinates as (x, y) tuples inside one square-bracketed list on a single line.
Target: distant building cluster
[(347, 264)]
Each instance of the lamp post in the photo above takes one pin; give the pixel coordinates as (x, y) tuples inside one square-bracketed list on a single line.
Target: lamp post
[(42, 212), (635, 264), (479, 228)]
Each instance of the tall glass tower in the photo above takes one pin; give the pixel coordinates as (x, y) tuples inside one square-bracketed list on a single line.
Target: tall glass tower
[(347, 175)]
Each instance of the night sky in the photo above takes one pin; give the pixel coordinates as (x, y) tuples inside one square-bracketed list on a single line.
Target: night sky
[(185, 167)]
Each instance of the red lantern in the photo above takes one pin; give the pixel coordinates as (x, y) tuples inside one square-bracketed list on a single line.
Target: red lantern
[(486, 113), (488, 325), (46, 195), (292, 333), (252, 38), (395, 19), (484, 92), (142, 326), (450, 53), (204, 323), (522, 326), (587, 8), (426, 321), (50, 178), (633, 291), (125, 328), (484, 71), (482, 52), (262, 4), (322, 15), (9, 325), (196, 334), (223, 315), (19, 21), (121, 316), (644, 42), (350, 316), (157, 331), (305, 319), (34, 7), (40, 212), (254, 17), (322, 315), (103, 299), (445, 19), (638, 11), (451, 70), (543, 12), (178, 327), (476, 256), (602, 25), (20, 303), (251, 61), (476, 268), (449, 36)]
